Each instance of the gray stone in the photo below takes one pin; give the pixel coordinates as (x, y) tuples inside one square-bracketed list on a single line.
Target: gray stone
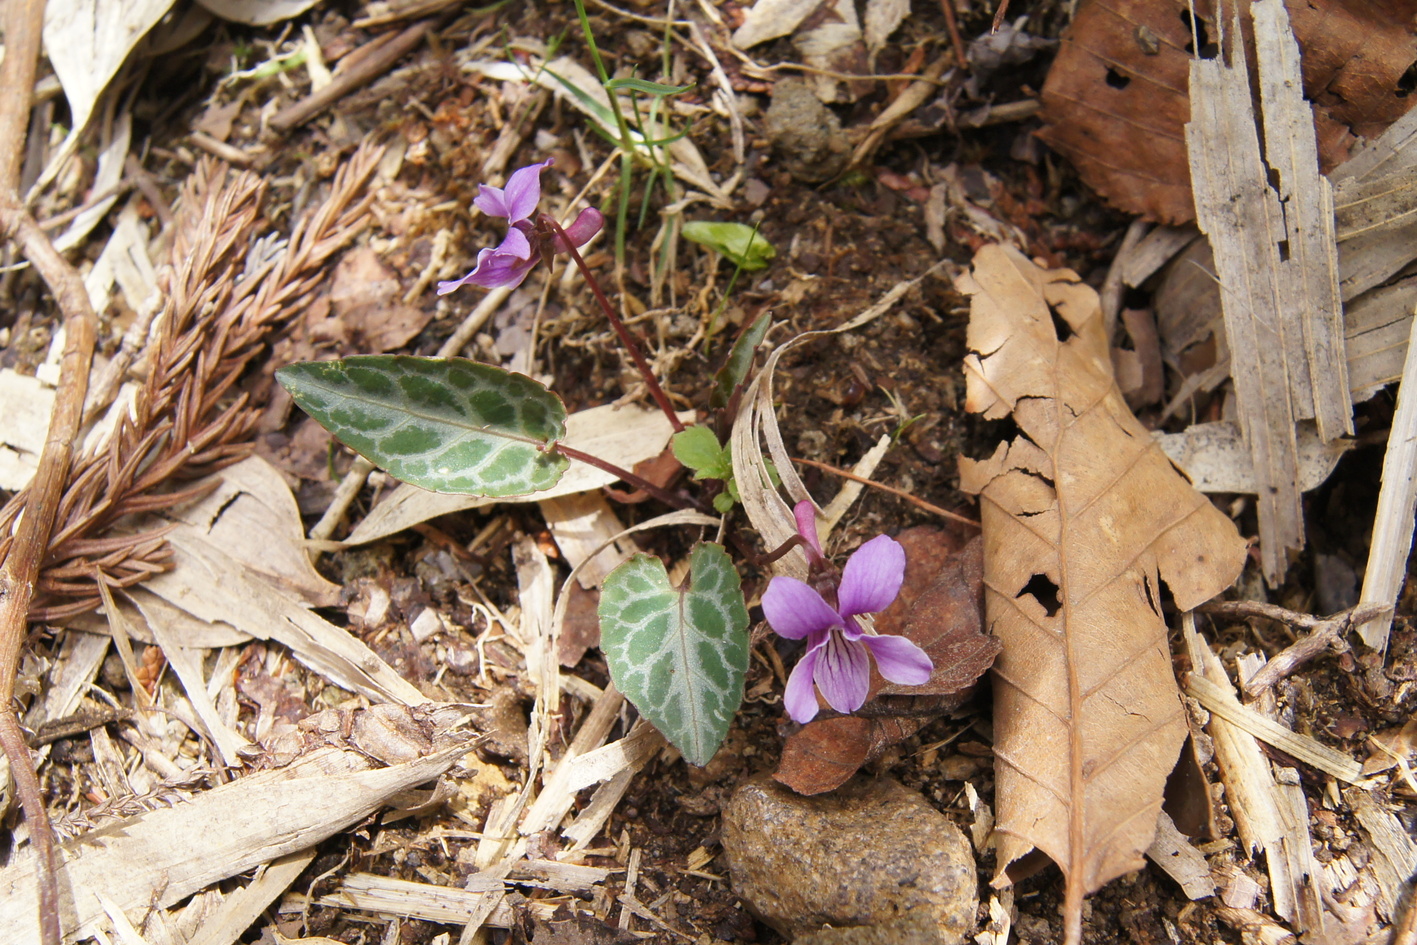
[(871, 853), (805, 133)]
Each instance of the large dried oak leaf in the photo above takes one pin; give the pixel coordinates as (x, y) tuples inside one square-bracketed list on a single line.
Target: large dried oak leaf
[(1084, 519), (1115, 102)]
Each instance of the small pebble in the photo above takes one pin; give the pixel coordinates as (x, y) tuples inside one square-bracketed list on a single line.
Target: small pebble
[(870, 854)]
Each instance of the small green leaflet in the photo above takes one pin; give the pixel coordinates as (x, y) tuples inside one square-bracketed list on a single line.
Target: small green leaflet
[(444, 424), (698, 449), (679, 654), (734, 240)]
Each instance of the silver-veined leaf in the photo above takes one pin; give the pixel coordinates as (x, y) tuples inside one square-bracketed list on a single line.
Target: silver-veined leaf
[(678, 653), (444, 424)]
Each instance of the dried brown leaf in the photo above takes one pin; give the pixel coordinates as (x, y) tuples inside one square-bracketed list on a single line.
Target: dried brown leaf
[(1116, 97), (1084, 519)]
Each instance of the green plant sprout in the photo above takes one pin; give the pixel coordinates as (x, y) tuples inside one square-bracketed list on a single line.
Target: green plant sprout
[(741, 245)]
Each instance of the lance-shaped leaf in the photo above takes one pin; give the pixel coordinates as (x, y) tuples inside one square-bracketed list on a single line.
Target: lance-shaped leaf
[(1084, 519), (679, 654), (444, 424), (740, 361)]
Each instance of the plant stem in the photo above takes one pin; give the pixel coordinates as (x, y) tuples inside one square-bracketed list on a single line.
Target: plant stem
[(22, 21), (626, 338), (627, 144), (639, 482)]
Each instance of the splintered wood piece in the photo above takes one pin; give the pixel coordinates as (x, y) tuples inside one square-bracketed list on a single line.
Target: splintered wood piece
[(240, 909), (1308, 283), (1263, 814), (160, 857), (1261, 289), (1084, 518), (448, 905), (1216, 698), (1180, 860), (1396, 854), (1397, 503)]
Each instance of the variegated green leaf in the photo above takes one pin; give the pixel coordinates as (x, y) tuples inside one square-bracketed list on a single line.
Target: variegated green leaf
[(444, 424), (679, 654)]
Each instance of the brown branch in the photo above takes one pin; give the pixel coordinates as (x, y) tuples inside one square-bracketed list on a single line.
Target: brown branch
[(899, 493), (1326, 633), (20, 570), (379, 55)]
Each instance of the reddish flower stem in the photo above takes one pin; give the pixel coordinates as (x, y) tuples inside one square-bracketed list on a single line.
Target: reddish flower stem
[(639, 482), (626, 338)]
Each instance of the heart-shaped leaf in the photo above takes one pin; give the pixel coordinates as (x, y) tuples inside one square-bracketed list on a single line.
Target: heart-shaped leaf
[(444, 424), (679, 654)]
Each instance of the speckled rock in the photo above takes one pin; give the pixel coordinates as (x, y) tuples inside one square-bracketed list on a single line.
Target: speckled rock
[(870, 854), (903, 931), (805, 133)]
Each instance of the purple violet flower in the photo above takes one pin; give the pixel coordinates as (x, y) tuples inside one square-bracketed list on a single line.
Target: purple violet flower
[(837, 646), (526, 242)]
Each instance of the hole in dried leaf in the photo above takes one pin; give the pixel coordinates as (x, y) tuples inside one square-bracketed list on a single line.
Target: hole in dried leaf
[(1061, 328), (1043, 590), (1283, 250), (1116, 79), (1407, 82), (1135, 298), (1200, 35)]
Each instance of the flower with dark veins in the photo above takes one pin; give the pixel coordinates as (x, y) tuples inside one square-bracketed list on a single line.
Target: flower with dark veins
[(839, 649), (527, 240)]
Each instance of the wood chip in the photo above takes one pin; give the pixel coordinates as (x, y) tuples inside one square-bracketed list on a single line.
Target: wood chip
[(1276, 263), (1216, 698), (164, 855), (1397, 503), (1180, 860)]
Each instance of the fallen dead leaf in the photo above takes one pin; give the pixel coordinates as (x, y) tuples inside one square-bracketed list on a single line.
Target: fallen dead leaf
[(1116, 97), (1085, 520)]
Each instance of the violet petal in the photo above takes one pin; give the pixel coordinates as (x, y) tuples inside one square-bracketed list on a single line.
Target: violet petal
[(515, 243), (518, 199), (800, 697), (794, 609), (872, 576), (899, 659), (494, 269), (843, 673)]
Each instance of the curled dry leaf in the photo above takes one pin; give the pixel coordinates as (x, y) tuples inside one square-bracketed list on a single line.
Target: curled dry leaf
[(1084, 520), (1116, 101), (938, 608)]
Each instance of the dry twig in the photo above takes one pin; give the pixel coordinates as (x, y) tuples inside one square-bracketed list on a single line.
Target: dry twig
[(1325, 633), (25, 549)]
